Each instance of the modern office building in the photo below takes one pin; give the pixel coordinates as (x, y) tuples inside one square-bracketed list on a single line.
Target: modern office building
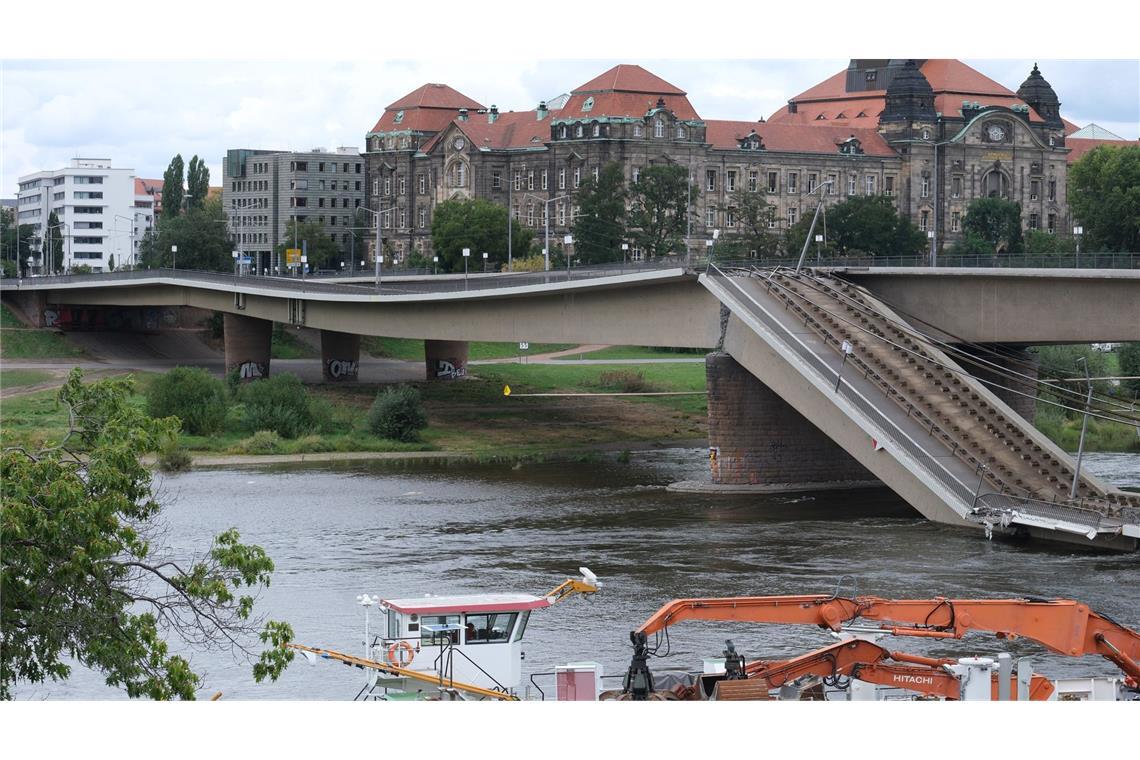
[(102, 210), (263, 190)]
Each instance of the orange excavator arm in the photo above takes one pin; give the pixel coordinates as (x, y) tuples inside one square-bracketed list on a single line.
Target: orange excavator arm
[(1063, 626), (868, 662)]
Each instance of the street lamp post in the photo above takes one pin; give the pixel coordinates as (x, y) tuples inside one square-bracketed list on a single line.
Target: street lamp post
[(235, 255), (546, 222), (624, 252), (130, 233), (1084, 426), (69, 236), (814, 219), (174, 257), (1077, 232), (484, 262), (435, 264), (466, 255), (567, 241)]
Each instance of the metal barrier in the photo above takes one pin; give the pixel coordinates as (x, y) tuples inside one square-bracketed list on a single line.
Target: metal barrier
[(986, 261)]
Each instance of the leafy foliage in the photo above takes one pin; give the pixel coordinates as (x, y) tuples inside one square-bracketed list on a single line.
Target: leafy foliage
[(279, 403), (479, 225), (659, 203), (863, 224), (1129, 355), (172, 191), (398, 413), (1104, 195), (997, 222), (320, 250), (84, 574), (191, 395), (201, 236), (53, 245), (753, 214), (197, 183), (14, 241), (1040, 241), (599, 228)]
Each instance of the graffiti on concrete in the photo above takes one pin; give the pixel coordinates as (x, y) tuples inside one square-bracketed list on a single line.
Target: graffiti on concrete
[(251, 370), (111, 317), (51, 317), (341, 369), (447, 369)]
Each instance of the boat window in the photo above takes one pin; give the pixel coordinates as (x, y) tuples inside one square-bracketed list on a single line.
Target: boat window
[(393, 624), (429, 638), (491, 628), (522, 626)]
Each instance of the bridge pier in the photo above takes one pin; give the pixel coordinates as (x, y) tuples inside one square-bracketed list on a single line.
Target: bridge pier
[(1019, 393), (446, 359), (340, 356), (757, 441), (247, 346)]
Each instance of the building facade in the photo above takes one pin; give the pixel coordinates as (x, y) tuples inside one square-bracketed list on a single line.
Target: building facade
[(263, 190), (932, 135), (103, 213)]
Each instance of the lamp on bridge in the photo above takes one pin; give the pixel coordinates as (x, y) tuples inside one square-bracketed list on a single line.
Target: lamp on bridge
[(173, 257), (466, 255), (435, 264), (235, 255), (624, 251), (484, 262), (1077, 232), (567, 242)]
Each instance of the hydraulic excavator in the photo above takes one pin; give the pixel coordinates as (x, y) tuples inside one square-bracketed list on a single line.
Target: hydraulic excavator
[(1063, 626)]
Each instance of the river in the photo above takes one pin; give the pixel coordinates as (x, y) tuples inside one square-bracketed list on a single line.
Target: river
[(337, 530)]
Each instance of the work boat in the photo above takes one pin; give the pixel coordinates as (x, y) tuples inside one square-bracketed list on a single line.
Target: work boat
[(466, 647), (857, 667)]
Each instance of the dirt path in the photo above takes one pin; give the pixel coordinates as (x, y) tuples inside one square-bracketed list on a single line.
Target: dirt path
[(583, 349)]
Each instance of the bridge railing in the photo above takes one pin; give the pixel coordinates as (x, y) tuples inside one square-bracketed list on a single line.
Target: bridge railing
[(981, 261)]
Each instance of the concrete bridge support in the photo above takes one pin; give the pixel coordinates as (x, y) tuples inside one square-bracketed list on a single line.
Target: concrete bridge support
[(247, 346), (1020, 393), (757, 440), (340, 356), (446, 359)]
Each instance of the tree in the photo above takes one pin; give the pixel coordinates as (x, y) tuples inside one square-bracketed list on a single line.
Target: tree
[(201, 236), (320, 250), (1040, 241), (754, 216), (111, 263), (479, 225), (197, 183), (660, 202), (172, 188), (15, 239), (599, 228), (85, 574), (862, 225), (997, 222), (1129, 356), (1104, 196), (53, 245)]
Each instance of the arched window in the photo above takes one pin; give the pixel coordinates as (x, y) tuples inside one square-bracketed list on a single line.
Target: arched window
[(659, 128), (457, 174), (995, 184), (597, 130), (562, 132), (578, 131)]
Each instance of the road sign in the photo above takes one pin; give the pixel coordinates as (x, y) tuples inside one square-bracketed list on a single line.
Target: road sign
[(292, 257), (523, 345), (506, 390)]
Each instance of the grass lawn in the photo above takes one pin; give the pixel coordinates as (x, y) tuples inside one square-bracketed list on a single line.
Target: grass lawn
[(286, 345), (640, 352), (410, 349), (15, 378), (36, 344), (8, 319)]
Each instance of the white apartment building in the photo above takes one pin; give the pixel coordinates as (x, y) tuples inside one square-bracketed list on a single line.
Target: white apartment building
[(103, 213)]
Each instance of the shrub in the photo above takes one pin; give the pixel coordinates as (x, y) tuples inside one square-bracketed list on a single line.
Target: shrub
[(624, 380), (191, 395), (172, 457), (398, 413), (279, 403), (325, 415), (261, 442)]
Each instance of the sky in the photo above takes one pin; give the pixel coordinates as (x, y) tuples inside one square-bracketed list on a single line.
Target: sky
[(140, 111)]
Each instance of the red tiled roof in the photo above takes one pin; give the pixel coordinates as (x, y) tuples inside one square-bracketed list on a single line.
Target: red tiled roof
[(515, 129), (629, 78), (634, 104), (144, 186), (823, 138), (429, 108), (1079, 146), (951, 80), (1070, 127)]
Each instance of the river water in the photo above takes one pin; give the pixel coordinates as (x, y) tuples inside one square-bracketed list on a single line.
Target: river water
[(337, 530)]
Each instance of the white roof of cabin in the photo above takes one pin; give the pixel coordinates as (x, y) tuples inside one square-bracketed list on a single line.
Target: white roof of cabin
[(440, 605)]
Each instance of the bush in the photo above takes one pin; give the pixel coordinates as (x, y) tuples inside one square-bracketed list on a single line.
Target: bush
[(398, 413), (624, 380), (172, 457), (191, 395), (279, 403), (261, 442), (326, 416)]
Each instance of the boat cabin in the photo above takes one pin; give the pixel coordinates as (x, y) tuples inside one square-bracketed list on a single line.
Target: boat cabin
[(476, 638)]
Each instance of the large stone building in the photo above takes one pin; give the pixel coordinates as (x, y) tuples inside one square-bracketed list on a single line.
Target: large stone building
[(931, 134), (263, 190)]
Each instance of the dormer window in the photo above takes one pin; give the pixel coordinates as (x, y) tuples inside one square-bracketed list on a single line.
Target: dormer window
[(578, 131), (588, 104), (597, 130), (821, 117), (1052, 141), (637, 130), (562, 132), (752, 142), (680, 132), (926, 134), (399, 117), (659, 128), (851, 147)]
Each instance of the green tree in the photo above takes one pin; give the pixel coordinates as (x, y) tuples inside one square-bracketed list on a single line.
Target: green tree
[(197, 183), (599, 228), (1040, 241), (1129, 356), (657, 215), (193, 396), (753, 215), (15, 241), (997, 222), (172, 191), (53, 245), (85, 574), (861, 225), (479, 225), (320, 250), (1104, 196), (201, 236), (111, 263)]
